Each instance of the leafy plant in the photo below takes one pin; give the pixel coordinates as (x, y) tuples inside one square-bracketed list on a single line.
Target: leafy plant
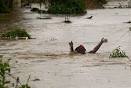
[(25, 86), (5, 6), (16, 32), (67, 7), (117, 53), (5, 72), (93, 4), (4, 69)]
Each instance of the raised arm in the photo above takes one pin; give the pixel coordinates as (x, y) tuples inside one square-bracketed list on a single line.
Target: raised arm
[(71, 46), (96, 48)]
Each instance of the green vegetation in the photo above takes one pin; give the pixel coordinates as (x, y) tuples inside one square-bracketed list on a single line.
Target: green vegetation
[(93, 4), (117, 53), (25, 86), (4, 17), (15, 32), (67, 7), (101, 1), (5, 5), (5, 69)]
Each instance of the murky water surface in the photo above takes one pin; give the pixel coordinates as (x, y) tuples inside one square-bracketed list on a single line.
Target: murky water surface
[(47, 57), (52, 36)]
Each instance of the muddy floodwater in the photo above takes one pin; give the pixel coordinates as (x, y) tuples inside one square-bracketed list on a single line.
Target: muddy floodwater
[(47, 56)]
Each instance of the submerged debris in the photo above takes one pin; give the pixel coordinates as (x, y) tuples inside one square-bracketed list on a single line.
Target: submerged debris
[(89, 17), (67, 19), (46, 17), (37, 79)]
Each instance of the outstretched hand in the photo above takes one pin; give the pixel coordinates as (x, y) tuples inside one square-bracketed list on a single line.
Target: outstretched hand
[(104, 40)]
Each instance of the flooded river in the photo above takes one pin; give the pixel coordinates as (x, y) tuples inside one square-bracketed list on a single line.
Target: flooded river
[(47, 57)]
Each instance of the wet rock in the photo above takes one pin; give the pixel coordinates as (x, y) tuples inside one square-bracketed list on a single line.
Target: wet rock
[(35, 9), (67, 21)]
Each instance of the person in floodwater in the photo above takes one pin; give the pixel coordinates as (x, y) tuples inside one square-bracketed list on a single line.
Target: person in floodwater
[(81, 49)]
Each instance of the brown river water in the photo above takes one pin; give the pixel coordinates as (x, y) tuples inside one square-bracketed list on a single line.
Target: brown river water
[(47, 56)]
